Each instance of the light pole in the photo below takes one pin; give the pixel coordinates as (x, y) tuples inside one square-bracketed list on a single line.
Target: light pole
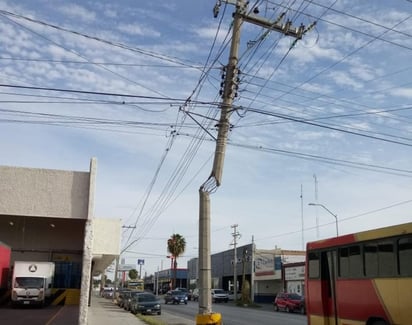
[(335, 215)]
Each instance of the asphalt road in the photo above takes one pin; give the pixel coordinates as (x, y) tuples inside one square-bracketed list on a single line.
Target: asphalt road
[(231, 315)]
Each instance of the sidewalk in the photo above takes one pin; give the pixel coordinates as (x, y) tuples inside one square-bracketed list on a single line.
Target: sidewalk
[(104, 311)]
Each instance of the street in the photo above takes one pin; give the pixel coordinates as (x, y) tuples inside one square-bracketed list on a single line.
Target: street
[(233, 315)]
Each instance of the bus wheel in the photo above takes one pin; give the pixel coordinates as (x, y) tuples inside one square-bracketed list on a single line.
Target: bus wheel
[(379, 322)]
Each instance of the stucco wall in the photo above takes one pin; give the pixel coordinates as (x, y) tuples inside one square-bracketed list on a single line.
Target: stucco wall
[(106, 236), (44, 192)]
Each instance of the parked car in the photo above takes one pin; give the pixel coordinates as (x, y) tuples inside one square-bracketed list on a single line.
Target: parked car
[(289, 302), (107, 292), (122, 296), (145, 303), (219, 295), (128, 299), (176, 297), (231, 295)]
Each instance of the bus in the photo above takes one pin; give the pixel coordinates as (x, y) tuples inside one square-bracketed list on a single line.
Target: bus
[(360, 279), (137, 285)]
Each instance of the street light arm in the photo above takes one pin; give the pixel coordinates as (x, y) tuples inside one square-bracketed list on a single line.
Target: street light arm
[(334, 215)]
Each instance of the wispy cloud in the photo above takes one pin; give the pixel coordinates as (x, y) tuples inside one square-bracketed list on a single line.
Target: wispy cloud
[(77, 12), (136, 29)]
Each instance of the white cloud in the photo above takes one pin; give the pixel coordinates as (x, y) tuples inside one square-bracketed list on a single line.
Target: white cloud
[(209, 33), (402, 92), (76, 11), (342, 78), (136, 29)]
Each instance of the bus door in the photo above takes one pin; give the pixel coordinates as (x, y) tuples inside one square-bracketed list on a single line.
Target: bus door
[(328, 288)]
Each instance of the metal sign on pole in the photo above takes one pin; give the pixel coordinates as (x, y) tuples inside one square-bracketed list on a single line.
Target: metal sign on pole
[(140, 262)]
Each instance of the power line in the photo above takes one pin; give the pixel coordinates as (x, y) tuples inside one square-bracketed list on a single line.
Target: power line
[(308, 122), (323, 159), (178, 100)]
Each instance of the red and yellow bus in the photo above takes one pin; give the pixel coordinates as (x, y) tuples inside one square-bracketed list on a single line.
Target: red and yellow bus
[(361, 279)]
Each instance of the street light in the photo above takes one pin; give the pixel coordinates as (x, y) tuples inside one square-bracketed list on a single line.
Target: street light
[(335, 215)]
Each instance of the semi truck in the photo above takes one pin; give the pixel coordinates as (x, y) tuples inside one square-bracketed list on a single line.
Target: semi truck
[(32, 282)]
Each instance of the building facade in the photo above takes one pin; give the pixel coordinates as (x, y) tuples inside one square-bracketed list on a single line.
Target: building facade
[(263, 269), (294, 274), (162, 280)]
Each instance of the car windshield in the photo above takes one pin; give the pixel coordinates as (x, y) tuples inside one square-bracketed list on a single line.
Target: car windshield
[(146, 297), (219, 291), (295, 296), (28, 282), (177, 293)]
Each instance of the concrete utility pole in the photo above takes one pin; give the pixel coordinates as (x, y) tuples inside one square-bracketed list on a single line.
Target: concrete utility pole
[(235, 235), (252, 273), (205, 315)]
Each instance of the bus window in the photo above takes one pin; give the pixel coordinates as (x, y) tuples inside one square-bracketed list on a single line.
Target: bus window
[(344, 262), (350, 262), (405, 256), (313, 258), (371, 259), (355, 262), (386, 258)]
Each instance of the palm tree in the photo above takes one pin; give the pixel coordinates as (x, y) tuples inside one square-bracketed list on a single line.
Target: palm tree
[(176, 245)]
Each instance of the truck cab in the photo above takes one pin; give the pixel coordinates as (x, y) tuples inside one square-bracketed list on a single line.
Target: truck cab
[(32, 282)]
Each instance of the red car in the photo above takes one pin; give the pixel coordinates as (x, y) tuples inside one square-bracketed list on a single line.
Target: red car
[(289, 302)]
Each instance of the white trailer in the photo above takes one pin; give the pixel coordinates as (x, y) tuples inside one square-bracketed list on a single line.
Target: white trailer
[(32, 282)]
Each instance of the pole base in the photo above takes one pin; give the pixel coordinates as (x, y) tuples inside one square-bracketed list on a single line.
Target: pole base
[(209, 319)]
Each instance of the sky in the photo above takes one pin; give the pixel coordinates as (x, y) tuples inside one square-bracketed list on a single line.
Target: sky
[(325, 119)]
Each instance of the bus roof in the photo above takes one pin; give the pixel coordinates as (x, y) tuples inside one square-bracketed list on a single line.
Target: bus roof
[(390, 231)]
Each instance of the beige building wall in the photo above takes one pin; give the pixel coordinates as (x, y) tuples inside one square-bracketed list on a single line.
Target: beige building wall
[(106, 243), (44, 192)]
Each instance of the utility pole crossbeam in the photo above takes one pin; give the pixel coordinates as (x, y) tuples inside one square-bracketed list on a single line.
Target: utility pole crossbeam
[(228, 93), (286, 28)]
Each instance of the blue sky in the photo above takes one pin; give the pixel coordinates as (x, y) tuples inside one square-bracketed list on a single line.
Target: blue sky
[(136, 85)]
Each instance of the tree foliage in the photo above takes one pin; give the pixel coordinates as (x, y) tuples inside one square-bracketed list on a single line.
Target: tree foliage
[(133, 274)]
